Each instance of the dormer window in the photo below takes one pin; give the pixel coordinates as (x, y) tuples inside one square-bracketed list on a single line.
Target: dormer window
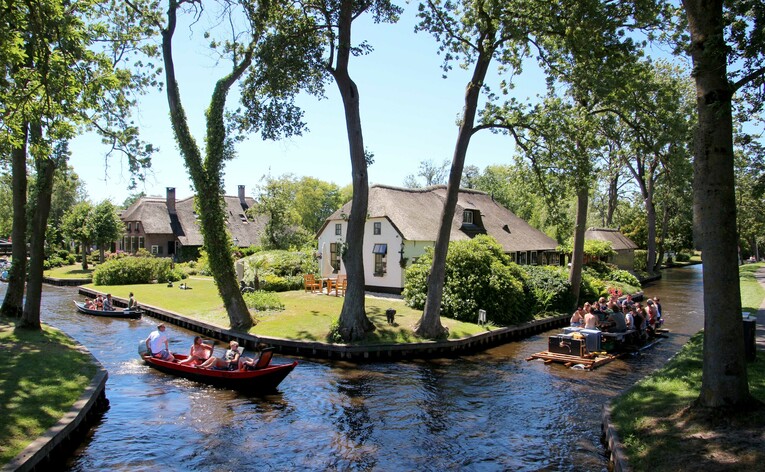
[(467, 217)]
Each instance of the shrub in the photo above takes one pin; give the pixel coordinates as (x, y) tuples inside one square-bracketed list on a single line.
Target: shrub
[(279, 270), (641, 260), (682, 257), (624, 277), (548, 288), (478, 276), (55, 261), (275, 283), (592, 286), (62, 254), (135, 270), (263, 301)]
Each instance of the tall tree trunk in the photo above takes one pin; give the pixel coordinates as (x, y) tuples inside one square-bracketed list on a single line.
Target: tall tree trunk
[(13, 303), (664, 232), (354, 323), (613, 196), (84, 245), (429, 325), (45, 167), (206, 175), (650, 216), (724, 377), (577, 255)]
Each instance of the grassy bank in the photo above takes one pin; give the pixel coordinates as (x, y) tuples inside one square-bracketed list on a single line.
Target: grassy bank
[(70, 272), (660, 433), (307, 316), (41, 376)]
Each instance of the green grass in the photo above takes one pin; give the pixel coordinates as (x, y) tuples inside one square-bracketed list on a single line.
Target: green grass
[(41, 376), (658, 431), (307, 316), (70, 272)]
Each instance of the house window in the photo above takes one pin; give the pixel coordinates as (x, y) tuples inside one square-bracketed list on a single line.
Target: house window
[(130, 227), (140, 242), (380, 251), (522, 258), (133, 244), (137, 227), (334, 256), (243, 218), (533, 257), (380, 265), (377, 228), (338, 229), (154, 249), (467, 217)]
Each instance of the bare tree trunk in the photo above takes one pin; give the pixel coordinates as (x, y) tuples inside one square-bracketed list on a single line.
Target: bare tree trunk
[(44, 188), (577, 255), (13, 303), (354, 323), (724, 378), (84, 245), (429, 325), (613, 195), (664, 232)]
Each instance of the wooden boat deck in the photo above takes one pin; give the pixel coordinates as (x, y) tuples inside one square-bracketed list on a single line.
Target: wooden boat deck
[(589, 363)]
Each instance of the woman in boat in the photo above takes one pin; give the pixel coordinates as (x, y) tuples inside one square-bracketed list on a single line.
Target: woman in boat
[(577, 319), (99, 303), (229, 360), (590, 319), (198, 353)]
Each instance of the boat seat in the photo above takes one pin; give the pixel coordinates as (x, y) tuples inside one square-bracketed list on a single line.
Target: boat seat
[(264, 359)]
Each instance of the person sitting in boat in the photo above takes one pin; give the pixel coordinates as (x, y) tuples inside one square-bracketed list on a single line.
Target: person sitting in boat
[(628, 318), (89, 304), (615, 323), (590, 318), (132, 304), (628, 301), (158, 344), (248, 363), (229, 360), (199, 352), (99, 303), (658, 307), (577, 319), (108, 303), (650, 311)]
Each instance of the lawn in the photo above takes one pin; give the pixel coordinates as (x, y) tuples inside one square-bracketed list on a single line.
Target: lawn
[(41, 376), (660, 433), (307, 316), (70, 272)]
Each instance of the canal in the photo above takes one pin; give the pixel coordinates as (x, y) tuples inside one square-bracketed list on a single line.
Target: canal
[(488, 411)]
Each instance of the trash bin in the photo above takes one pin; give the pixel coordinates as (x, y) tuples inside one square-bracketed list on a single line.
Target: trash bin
[(750, 347)]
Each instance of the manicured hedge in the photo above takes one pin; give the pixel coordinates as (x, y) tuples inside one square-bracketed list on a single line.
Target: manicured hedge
[(136, 270)]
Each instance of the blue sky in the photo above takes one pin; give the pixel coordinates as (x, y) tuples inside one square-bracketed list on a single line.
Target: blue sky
[(408, 114)]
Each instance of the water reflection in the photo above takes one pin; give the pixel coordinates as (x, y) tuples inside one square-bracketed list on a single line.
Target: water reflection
[(489, 411)]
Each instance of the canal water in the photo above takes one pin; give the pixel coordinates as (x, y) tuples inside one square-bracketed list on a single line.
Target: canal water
[(488, 411)]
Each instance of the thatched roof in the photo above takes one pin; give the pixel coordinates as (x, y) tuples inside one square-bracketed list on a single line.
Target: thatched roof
[(618, 241), (416, 214), (155, 218)]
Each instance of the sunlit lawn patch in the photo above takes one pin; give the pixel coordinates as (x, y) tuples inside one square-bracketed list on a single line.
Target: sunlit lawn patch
[(70, 272), (306, 316)]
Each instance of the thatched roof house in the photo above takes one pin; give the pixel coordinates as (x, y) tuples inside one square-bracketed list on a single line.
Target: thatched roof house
[(169, 227), (407, 221), (621, 244)]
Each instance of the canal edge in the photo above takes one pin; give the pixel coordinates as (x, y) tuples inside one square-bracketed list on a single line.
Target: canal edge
[(60, 438), (614, 447)]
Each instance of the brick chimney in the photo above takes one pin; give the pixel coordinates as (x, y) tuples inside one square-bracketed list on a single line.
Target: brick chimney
[(241, 196), (171, 200)]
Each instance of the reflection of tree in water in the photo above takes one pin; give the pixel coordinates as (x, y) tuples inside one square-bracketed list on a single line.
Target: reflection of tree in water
[(354, 424)]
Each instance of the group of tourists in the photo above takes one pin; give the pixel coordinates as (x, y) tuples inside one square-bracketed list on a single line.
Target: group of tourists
[(200, 353), (617, 315), (105, 303)]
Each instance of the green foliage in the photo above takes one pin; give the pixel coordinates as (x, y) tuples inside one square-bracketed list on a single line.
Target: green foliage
[(549, 288), (334, 335), (106, 224), (478, 276), (135, 270), (592, 248), (641, 260), (592, 286), (203, 263), (263, 301), (279, 270), (682, 257)]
